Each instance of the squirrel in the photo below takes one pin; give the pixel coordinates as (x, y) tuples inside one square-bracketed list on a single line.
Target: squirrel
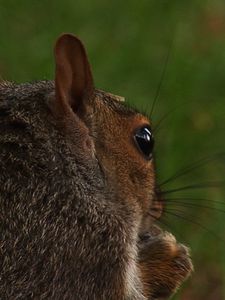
[(78, 192)]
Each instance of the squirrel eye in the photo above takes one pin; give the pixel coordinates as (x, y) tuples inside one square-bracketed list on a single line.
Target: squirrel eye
[(145, 141)]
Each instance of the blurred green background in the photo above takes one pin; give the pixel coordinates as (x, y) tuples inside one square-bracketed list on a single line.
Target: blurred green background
[(127, 44)]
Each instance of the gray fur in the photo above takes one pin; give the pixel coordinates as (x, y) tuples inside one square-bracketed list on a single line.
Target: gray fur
[(60, 236)]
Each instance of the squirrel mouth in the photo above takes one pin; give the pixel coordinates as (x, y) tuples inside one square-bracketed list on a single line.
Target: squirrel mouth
[(156, 209), (153, 214), (157, 206)]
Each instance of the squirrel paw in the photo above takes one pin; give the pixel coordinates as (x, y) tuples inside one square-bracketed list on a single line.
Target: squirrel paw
[(164, 263)]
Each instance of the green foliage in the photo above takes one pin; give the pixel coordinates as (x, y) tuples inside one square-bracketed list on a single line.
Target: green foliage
[(127, 44)]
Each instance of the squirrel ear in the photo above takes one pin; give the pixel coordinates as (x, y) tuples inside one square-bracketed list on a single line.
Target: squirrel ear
[(73, 78)]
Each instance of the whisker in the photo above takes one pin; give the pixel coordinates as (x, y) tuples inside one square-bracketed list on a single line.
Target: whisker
[(165, 116), (187, 169), (194, 186), (185, 204), (161, 120), (161, 78), (166, 225), (174, 212), (196, 199)]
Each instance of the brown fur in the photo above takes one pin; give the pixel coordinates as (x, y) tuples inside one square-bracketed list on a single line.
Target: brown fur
[(75, 193)]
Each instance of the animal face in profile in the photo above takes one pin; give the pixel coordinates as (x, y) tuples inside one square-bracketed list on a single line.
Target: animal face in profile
[(121, 138)]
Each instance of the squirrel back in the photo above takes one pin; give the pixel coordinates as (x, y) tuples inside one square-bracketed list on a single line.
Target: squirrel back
[(75, 188)]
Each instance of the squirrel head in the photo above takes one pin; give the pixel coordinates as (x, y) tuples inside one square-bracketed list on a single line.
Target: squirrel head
[(116, 136)]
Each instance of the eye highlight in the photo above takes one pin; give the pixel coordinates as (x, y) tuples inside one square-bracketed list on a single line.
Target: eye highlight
[(144, 141)]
